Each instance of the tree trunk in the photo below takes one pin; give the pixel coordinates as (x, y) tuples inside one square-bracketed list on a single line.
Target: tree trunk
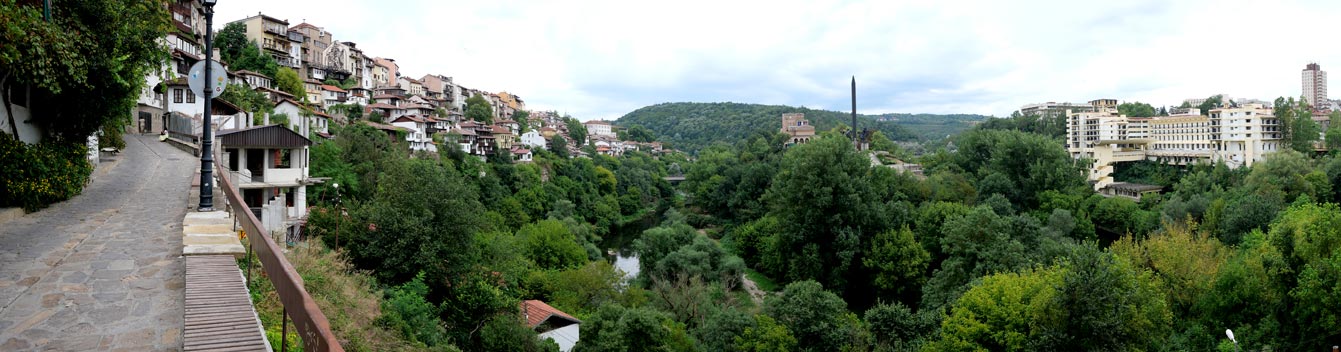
[(9, 112)]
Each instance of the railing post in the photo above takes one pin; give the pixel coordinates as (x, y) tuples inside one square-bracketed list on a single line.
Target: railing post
[(284, 331)]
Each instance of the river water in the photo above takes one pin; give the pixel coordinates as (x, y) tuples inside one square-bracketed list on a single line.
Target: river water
[(618, 244)]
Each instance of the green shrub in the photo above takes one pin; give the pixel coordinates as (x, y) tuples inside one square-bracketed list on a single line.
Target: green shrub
[(37, 175)]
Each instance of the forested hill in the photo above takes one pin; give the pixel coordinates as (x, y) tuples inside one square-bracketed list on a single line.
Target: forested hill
[(693, 126)]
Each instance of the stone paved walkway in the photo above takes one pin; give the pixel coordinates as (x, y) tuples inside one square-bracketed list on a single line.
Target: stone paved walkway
[(102, 271)]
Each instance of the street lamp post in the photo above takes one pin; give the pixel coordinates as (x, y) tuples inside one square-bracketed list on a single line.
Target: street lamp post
[(207, 137)]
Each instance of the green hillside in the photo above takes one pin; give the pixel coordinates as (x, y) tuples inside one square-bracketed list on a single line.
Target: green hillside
[(693, 126)]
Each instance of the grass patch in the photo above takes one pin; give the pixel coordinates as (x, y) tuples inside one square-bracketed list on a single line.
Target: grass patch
[(764, 283), (349, 298)]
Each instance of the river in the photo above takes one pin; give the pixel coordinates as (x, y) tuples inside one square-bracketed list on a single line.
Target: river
[(618, 244)]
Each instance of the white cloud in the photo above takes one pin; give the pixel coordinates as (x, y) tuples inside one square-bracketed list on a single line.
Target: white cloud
[(601, 59)]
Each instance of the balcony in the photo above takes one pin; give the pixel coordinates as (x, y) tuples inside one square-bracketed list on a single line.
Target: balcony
[(283, 48), (288, 61), (276, 28)]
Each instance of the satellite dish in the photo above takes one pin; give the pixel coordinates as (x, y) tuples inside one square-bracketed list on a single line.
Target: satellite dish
[(195, 78)]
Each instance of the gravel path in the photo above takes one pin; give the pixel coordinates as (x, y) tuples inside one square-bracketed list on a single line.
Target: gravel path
[(101, 271)]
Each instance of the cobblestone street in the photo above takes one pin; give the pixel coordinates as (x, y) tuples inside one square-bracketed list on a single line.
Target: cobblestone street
[(101, 271)]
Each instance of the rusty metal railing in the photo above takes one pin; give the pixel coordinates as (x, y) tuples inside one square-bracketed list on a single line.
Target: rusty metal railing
[(312, 325)]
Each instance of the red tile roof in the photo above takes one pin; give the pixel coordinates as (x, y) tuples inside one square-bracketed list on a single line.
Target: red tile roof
[(502, 130), (382, 106), (331, 88), (536, 312)]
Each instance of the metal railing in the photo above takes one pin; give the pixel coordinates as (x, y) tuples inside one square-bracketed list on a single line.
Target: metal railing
[(311, 323)]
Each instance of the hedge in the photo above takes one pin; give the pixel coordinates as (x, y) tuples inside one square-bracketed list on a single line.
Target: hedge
[(38, 175)]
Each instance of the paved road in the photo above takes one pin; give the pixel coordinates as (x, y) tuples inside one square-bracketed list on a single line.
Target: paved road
[(102, 271)]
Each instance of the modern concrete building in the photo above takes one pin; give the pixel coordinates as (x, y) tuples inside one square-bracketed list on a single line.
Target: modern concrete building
[(1238, 136), (269, 165), (1314, 84), (1054, 109), (1244, 135)]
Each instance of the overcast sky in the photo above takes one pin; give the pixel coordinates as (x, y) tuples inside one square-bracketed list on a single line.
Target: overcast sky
[(602, 59)]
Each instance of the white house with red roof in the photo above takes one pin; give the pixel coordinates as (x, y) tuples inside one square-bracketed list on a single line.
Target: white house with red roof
[(551, 323), (333, 95), (418, 136), (599, 128)]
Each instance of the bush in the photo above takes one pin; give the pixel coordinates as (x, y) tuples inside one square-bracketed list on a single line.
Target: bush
[(38, 175)]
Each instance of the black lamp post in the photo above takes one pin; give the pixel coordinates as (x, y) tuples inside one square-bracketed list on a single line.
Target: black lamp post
[(207, 140)]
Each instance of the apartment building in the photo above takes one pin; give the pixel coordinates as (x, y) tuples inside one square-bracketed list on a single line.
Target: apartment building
[(385, 72), (1244, 135), (1314, 84), (1180, 139), (275, 39), (1054, 109)]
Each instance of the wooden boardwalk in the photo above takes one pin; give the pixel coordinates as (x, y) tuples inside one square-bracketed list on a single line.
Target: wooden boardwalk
[(219, 313)]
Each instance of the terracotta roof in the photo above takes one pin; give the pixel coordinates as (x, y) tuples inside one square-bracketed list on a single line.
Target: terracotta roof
[(272, 90), (520, 151), (385, 96), (331, 88), (502, 130), (536, 312), (245, 72), (546, 129), (464, 131), (411, 118), (385, 127), (596, 122), (382, 106)]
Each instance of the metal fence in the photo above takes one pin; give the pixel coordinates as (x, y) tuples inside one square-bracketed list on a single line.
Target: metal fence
[(312, 325), (183, 128)]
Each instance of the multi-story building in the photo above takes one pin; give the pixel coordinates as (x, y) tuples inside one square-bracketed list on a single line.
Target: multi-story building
[(273, 37), (599, 128), (437, 86), (411, 86), (186, 42), (796, 126), (1104, 104), (1244, 135), (269, 165), (385, 72), (1180, 139), (1314, 84), (1053, 109), (512, 101)]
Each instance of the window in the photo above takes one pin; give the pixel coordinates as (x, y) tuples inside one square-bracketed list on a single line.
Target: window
[(190, 96), (177, 95)]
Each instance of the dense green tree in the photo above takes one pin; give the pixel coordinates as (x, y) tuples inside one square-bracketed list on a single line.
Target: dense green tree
[(1296, 123), (1212, 102), (898, 260), (576, 130), (287, 80), (83, 68), (523, 119), (551, 246), (818, 319), (1031, 163), (615, 328), (824, 192), (479, 110), (559, 146), (696, 126), (251, 101), (766, 336), (897, 327), (243, 54), (1136, 109), (1002, 313), (1102, 301), (407, 310)]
